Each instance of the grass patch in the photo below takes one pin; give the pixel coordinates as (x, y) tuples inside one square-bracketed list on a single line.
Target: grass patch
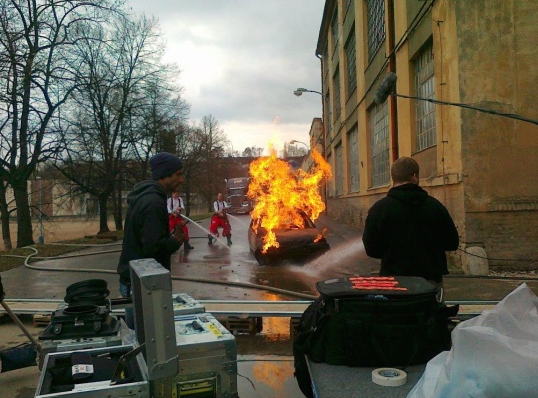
[(15, 258)]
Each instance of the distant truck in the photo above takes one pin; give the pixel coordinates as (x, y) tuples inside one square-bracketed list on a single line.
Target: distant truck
[(236, 195)]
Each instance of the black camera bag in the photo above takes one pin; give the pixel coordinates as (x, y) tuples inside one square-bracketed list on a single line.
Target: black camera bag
[(372, 322)]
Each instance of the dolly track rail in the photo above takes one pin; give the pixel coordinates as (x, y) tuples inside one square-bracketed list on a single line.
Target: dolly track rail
[(236, 308)]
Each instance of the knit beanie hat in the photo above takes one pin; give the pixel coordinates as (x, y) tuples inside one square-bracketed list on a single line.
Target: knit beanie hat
[(164, 164)]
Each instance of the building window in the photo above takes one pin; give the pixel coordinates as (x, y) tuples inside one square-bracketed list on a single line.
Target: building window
[(379, 144), (329, 122), (426, 135), (334, 28), (375, 14), (336, 88), (338, 175), (353, 159), (351, 63)]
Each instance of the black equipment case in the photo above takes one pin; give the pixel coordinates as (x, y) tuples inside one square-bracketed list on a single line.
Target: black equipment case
[(376, 321)]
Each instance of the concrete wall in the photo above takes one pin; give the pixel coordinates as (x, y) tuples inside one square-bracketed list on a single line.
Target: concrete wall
[(497, 70)]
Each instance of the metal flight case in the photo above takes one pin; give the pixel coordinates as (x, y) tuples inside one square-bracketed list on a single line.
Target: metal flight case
[(185, 304), (80, 343), (207, 354), (91, 374), (81, 325)]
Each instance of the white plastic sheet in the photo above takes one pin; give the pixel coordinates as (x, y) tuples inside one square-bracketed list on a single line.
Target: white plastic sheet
[(494, 355)]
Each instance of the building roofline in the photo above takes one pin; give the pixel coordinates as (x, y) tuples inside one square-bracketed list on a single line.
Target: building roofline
[(324, 27)]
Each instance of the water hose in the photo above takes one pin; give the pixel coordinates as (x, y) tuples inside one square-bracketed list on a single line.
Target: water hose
[(177, 278)]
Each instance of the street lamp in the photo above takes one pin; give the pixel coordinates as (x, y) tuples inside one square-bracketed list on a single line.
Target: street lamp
[(41, 238), (298, 92), (299, 142), (325, 103)]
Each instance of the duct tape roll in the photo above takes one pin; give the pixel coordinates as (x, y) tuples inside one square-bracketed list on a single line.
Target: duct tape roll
[(389, 377)]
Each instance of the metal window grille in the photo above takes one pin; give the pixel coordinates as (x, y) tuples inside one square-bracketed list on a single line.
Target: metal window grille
[(353, 159), (379, 145), (336, 87), (426, 134), (351, 63), (339, 175), (375, 14)]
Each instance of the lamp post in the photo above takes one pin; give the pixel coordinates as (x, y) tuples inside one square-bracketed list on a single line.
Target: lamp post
[(299, 91), (299, 142), (41, 238), (325, 103)]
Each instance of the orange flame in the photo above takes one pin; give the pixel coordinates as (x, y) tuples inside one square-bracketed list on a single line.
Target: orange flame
[(279, 192)]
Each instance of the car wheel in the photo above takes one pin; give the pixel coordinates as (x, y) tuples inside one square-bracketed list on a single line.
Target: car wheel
[(260, 258)]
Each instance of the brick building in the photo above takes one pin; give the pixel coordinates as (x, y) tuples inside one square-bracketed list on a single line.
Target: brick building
[(481, 165)]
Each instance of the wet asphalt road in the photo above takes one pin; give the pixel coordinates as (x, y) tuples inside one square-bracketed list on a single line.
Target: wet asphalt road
[(219, 262), (265, 362), (265, 358), (215, 263)]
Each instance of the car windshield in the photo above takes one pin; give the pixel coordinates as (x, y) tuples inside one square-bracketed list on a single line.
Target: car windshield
[(288, 224)]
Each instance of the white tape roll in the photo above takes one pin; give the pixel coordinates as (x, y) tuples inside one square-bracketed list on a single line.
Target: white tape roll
[(389, 377)]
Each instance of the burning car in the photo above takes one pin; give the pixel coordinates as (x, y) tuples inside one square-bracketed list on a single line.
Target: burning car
[(286, 201), (298, 240)]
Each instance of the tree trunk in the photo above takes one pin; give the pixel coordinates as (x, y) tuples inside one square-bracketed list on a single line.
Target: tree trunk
[(4, 217), (24, 220), (103, 214), (118, 214), (187, 191)]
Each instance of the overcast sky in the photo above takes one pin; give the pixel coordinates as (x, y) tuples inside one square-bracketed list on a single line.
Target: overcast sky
[(241, 60)]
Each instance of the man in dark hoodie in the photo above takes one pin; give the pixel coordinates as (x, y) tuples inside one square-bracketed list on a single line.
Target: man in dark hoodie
[(146, 233), (408, 229)]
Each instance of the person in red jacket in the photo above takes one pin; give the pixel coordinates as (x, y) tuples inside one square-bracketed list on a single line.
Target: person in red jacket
[(175, 220), (409, 230), (220, 220)]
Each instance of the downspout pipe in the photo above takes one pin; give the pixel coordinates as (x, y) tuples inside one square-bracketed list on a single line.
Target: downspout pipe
[(324, 113), (392, 68)]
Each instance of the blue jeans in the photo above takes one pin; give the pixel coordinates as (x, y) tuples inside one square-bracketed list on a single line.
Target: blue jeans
[(125, 291)]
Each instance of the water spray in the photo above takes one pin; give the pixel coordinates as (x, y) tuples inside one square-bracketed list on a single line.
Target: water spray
[(239, 220), (206, 231)]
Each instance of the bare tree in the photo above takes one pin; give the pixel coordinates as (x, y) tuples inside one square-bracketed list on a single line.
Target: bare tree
[(121, 107), (252, 151), (37, 70), (211, 167)]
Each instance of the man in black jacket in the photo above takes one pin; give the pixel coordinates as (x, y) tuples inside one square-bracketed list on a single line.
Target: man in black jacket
[(408, 229), (146, 233)]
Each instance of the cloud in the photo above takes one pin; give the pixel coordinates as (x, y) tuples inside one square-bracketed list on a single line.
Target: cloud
[(240, 61)]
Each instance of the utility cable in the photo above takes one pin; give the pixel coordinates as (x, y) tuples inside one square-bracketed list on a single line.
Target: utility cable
[(245, 285), (496, 259), (476, 108)]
